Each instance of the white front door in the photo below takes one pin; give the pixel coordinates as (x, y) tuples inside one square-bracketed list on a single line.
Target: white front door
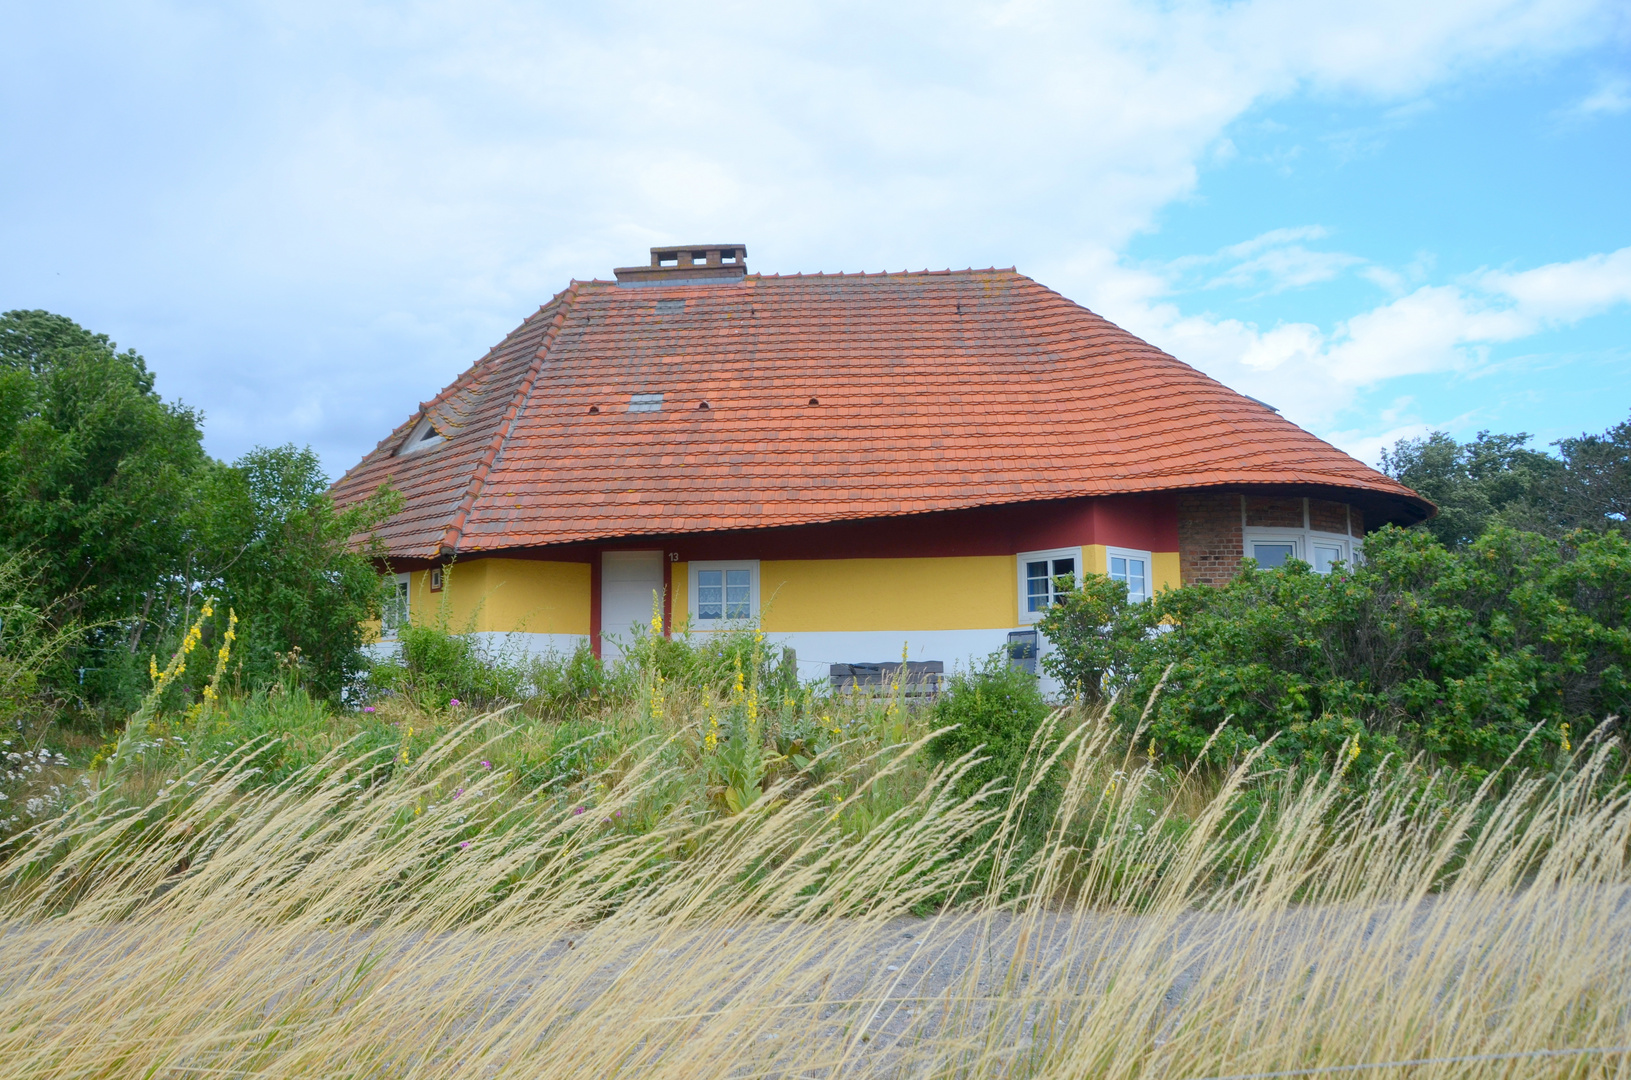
[(630, 583)]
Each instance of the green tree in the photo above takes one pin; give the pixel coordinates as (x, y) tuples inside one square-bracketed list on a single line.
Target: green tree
[(1475, 483), (1090, 628), (270, 543), (1594, 489), (128, 524), (94, 468)]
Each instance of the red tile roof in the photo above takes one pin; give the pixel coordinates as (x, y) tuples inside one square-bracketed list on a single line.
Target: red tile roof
[(931, 391)]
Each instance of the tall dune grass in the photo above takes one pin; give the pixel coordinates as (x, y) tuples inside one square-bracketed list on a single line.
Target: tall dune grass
[(357, 921)]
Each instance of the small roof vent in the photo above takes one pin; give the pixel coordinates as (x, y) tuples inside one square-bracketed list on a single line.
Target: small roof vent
[(687, 264)]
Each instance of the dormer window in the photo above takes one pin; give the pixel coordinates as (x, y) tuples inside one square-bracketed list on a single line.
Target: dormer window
[(423, 437)]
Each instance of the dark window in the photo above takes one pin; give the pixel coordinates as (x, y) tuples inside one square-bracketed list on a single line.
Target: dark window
[(1272, 556), (1042, 589)]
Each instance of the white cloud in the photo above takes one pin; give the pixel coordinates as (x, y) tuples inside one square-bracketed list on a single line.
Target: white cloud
[(1285, 268), (1273, 261), (1611, 96), (352, 201), (1569, 291), (1274, 238), (1312, 374)]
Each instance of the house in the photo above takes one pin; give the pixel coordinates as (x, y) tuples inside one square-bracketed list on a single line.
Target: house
[(856, 462)]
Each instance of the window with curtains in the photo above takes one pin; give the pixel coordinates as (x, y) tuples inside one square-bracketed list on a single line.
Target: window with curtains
[(722, 593)]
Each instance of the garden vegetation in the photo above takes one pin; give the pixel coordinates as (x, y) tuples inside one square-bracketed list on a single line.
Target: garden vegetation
[(1296, 822)]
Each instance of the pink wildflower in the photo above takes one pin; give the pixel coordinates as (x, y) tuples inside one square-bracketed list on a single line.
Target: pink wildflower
[(367, 708), (463, 844), (576, 810), (456, 794), (455, 703), (487, 764)]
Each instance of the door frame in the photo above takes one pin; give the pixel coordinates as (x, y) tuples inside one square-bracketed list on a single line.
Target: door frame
[(596, 584)]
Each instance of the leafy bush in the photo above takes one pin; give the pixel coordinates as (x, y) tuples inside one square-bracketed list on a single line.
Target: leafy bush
[(437, 667), (997, 707), (564, 686), (1457, 654)]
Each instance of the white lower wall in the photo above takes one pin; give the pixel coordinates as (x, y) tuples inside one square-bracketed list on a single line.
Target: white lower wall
[(518, 645), (816, 650), (954, 648)]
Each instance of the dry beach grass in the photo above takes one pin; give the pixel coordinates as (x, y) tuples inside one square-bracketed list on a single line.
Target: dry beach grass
[(357, 922)]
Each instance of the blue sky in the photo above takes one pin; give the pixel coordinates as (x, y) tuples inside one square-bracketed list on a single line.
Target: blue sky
[(1381, 218)]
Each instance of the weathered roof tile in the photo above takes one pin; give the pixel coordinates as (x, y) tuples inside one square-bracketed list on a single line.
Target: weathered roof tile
[(935, 391)]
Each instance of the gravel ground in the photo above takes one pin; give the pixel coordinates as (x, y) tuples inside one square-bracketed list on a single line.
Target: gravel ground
[(842, 996)]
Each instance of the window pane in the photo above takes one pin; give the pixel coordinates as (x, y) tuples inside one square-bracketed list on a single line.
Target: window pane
[(710, 594), (396, 609), (1270, 556), (1136, 585), (1326, 556), (736, 594), (1036, 586), (1064, 577), (1118, 568)]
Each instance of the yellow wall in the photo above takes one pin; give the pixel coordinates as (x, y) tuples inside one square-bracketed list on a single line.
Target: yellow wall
[(505, 595), (680, 586), (888, 594), (972, 593), (1164, 570)]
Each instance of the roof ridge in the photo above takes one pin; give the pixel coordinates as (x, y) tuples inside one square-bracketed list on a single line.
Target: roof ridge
[(472, 375), (887, 273), (857, 274), (478, 479)]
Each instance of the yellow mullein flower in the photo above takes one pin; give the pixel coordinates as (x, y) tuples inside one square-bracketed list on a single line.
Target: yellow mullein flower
[(1566, 745), (1353, 751), (711, 740)]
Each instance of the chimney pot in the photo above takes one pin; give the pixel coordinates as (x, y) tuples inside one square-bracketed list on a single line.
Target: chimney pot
[(688, 263)]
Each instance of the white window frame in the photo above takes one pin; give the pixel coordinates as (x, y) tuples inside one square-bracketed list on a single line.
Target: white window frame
[(1027, 617), (1302, 541), (693, 574), (389, 626), (1132, 553), (421, 439)]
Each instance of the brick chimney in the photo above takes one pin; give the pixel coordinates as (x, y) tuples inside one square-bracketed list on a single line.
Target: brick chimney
[(684, 263)]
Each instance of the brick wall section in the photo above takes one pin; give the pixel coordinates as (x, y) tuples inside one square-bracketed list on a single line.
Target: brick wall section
[(1209, 538), (1209, 541), (1325, 516), (1278, 512)]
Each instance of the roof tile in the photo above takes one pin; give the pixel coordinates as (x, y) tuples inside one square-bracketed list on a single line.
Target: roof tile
[(936, 391)]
